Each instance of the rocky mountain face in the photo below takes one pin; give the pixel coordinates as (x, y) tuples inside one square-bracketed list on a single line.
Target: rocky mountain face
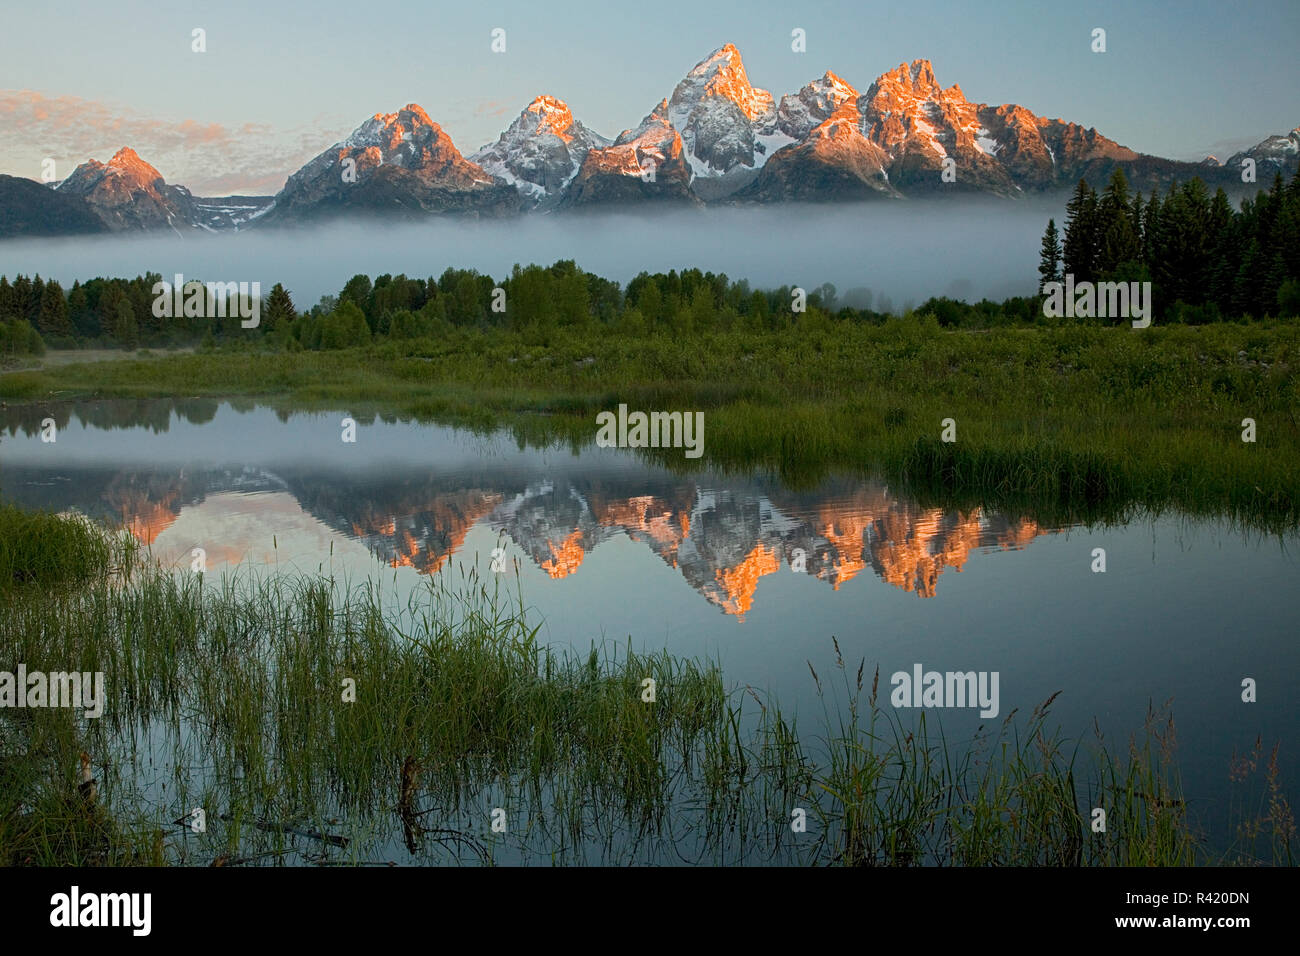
[(829, 155), (725, 122), (905, 131), (129, 194), (28, 208), (126, 194), (800, 113), (646, 164), (399, 165), (541, 152)]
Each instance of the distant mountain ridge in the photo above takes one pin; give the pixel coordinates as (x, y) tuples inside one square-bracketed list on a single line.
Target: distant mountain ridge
[(715, 138), (31, 210)]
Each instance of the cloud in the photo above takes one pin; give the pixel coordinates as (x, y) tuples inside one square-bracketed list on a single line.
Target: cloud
[(207, 158), (491, 108)]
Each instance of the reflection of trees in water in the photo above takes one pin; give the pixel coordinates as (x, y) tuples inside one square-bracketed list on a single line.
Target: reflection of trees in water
[(150, 413)]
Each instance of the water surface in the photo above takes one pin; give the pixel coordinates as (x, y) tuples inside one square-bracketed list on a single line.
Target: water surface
[(609, 547)]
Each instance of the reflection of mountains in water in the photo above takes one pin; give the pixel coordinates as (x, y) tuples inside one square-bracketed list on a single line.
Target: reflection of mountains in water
[(722, 539)]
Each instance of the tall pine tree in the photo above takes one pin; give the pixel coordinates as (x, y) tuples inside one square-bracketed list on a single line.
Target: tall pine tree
[(1118, 242), (1049, 260), (1079, 248), (278, 311)]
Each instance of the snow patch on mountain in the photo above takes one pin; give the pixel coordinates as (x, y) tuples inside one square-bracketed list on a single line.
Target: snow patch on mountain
[(985, 143)]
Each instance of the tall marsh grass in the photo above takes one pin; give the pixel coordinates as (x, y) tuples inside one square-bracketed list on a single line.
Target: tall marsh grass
[(232, 695)]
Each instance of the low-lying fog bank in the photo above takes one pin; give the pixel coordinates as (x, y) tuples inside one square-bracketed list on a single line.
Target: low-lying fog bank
[(902, 251)]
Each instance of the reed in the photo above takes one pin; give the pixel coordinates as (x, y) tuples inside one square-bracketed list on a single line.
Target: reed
[(231, 694)]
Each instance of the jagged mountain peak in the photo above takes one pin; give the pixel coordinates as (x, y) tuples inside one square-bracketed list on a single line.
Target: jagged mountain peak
[(411, 112), (722, 74), (402, 164), (647, 162), (1275, 154), (914, 82), (917, 76), (387, 130), (725, 59), (128, 193), (541, 151), (656, 125), (124, 164), (800, 113), (550, 114), (127, 159), (833, 81), (723, 118)]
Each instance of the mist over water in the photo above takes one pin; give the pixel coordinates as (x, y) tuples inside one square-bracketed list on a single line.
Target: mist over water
[(904, 250)]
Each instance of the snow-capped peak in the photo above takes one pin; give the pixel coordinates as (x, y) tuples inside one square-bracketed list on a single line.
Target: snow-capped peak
[(387, 130), (721, 116), (722, 75), (542, 150), (654, 128)]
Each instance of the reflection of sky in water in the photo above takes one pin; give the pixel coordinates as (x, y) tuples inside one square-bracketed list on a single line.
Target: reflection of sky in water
[(609, 548)]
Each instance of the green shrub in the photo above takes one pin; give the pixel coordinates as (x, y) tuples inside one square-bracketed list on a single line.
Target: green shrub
[(17, 337)]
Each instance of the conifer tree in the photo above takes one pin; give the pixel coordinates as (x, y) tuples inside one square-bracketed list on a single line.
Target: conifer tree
[(1049, 260), (1117, 241), (278, 311), (1079, 248), (8, 310), (53, 319)]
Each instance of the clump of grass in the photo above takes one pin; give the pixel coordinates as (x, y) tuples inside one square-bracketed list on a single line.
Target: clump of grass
[(249, 676), (39, 548), (49, 815)]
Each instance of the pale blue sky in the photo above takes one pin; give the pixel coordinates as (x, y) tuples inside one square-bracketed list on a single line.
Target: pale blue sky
[(282, 81)]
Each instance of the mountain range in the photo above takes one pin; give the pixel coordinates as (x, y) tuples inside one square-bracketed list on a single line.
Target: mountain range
[(715, 139)]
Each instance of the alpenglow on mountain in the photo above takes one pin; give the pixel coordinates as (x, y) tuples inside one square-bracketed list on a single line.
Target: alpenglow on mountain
[(716, 138), (541, 151)]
